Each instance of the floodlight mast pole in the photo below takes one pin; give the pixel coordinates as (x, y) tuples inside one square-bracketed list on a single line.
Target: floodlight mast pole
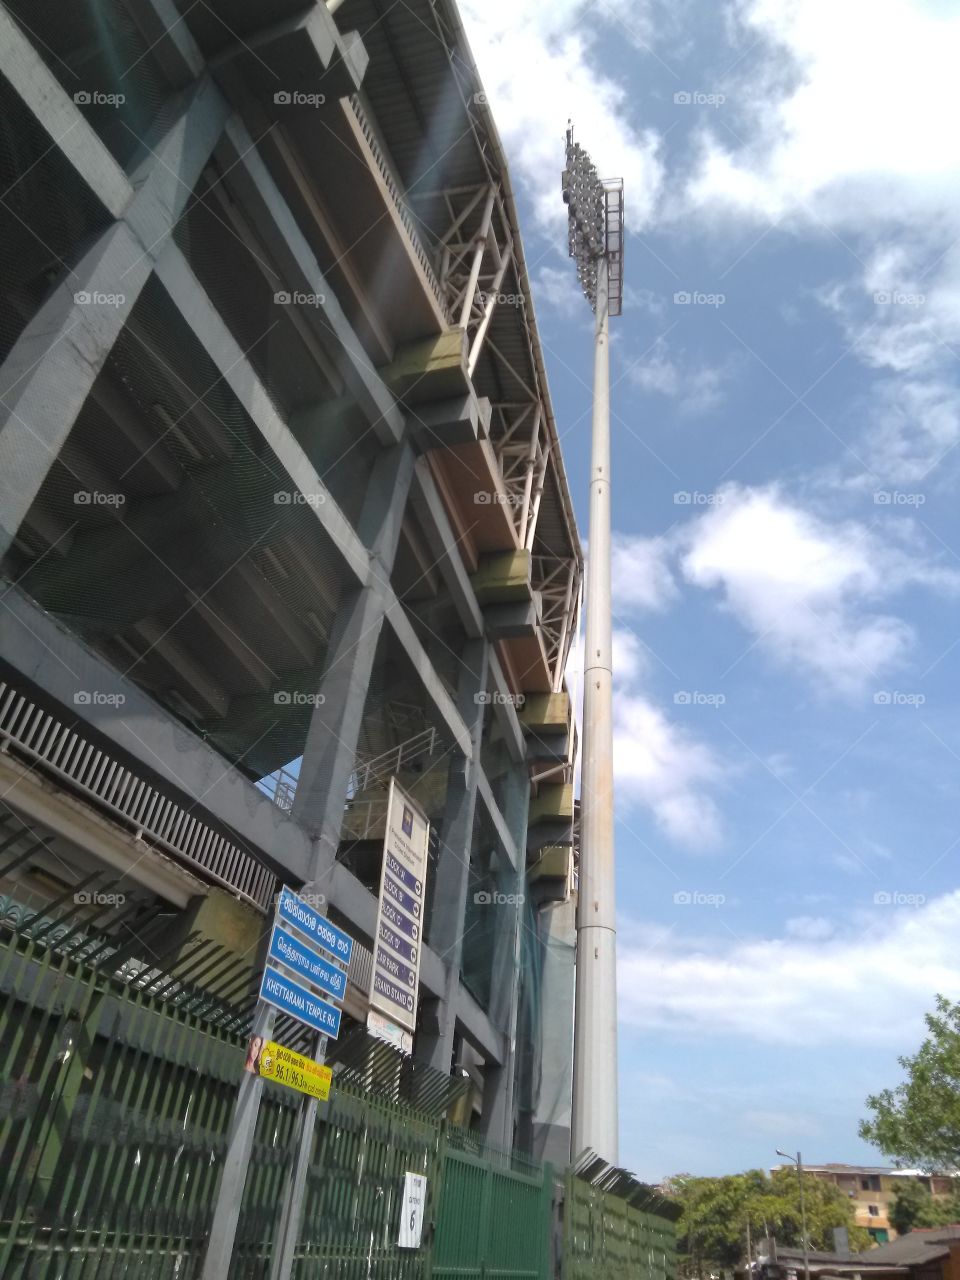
[(595, 1121)]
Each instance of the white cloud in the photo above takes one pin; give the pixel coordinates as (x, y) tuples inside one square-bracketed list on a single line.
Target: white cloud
[(850, 112), (641, 577), (540, 66), (663, 767), (807, 589), (800, 991), (698, 388)]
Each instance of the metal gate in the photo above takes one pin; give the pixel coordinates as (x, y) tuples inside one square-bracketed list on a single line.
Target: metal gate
[(494, 1214), (605, 1238), (117, 1085)]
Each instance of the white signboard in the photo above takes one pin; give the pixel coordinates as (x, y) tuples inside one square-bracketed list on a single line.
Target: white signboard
[(411, 1210), (399, 935)]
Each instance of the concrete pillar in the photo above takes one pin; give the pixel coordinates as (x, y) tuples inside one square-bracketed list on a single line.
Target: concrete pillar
[(47, 376), (331, 745), (435, 1045), (497, 1118)]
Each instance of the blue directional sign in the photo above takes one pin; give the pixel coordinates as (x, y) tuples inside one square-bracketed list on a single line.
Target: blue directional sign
[(290, 997), (396, 968), (288, 950), (410, 904), (314, 926)]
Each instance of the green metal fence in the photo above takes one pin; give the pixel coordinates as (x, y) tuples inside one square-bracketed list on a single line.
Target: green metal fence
[(494, 1214), (117, 1085), (605, 1238)]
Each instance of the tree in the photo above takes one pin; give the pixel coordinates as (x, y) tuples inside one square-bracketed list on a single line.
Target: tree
[(914, 1206), (713, 1225), (918, 1122)]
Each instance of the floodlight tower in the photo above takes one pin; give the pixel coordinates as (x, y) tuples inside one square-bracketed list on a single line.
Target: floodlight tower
[(596, 244)]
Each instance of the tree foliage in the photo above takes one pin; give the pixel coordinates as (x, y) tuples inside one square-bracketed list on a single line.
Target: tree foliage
[(713, 1227), (914, 1206), (918, 1122)]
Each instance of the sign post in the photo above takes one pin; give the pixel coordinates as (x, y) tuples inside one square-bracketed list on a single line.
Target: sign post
[(397, 943), (299, 974)]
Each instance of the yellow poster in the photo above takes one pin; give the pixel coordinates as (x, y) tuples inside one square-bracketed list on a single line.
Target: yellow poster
[(294, 1070)]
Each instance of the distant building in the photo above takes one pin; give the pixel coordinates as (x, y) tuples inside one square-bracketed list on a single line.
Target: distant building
[(872, 1188)]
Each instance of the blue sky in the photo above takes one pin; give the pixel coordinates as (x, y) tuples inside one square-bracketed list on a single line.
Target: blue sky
[(788, 539)]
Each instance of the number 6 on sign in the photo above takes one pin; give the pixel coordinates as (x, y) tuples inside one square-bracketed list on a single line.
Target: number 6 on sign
[(411, 1214)]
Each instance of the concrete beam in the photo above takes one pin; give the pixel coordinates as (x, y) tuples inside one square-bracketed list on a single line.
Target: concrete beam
[(53, 659), (453, 866), (273, 221), (169, 40), (43, 94), (203, 318), (52, 367), (504, 835)]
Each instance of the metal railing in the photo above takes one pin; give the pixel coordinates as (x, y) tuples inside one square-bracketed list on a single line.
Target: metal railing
[(62, 750), (385, 169), (379, 768)]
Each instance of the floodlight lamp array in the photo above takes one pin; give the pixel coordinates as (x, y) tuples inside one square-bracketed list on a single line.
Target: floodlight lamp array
[(583, 196), (595, 223)]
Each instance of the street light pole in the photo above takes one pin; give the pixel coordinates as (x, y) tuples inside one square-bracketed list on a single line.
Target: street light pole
[(596, 243), (803, 1212)]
